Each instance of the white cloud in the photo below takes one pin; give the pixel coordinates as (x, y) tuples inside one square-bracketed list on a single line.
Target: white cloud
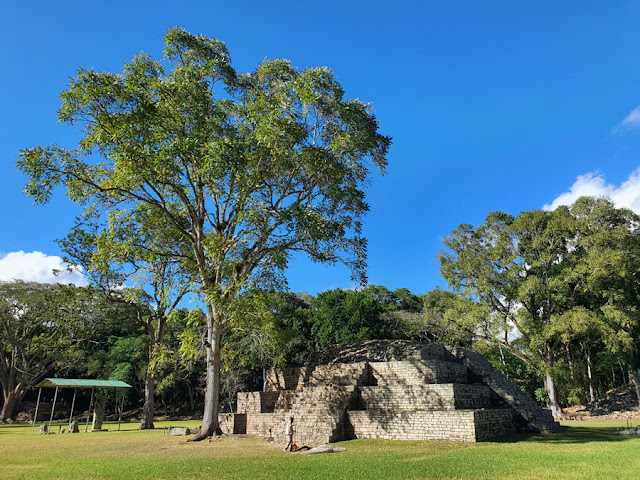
[(631, 121), (593, 184), (39, 267)]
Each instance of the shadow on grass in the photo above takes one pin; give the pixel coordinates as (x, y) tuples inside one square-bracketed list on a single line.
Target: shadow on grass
[(569, 435)]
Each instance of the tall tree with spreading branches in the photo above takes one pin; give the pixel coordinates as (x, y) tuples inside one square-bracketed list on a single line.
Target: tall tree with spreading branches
[(237, 171), (545, 275)]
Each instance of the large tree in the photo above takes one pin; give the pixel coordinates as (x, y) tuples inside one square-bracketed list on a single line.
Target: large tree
[(40, 327), (237, 171), (539, 273), (610, 267)]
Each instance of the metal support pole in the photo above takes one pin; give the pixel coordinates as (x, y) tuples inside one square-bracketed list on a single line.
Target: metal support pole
[(35, 415), (89, 414), (53, 408), (121, 408), (73, 403)]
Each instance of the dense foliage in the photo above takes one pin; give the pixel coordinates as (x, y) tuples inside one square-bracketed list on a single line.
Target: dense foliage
[(564, 283), (226, 173), (582, 261)]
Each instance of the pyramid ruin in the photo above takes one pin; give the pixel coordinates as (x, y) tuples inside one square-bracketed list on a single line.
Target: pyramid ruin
[(389, 389)]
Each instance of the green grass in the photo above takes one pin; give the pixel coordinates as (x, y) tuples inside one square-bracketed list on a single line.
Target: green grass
[(583, 450)]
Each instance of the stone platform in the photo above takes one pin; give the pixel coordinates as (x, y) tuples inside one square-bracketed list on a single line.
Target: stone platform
[(389, 389)]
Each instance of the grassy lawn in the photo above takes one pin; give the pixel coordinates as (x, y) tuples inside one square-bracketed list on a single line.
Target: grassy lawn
[(584, 450)]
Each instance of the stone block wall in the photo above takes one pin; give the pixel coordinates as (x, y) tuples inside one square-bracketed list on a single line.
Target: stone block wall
[(425, 397), (536, 418), (286, 378), (255, 424), (454, 425), (258, 425), (417, 372), (493, 423), (298, 378), (226, 421), (265, 402), (346, 375)]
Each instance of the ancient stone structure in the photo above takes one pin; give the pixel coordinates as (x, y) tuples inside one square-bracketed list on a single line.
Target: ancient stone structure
[(389, 389), (98, 412)]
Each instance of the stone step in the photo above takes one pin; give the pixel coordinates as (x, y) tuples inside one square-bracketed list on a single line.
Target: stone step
[(425, 397)]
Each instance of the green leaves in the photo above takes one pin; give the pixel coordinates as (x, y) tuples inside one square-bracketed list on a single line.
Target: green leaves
[(200, 176), (563, 280)]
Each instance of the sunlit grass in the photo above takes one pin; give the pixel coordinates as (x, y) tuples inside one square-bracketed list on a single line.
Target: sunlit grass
[(584, 450)]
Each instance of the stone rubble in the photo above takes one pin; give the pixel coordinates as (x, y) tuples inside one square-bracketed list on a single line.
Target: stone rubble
[(320, 449), (617, 403)]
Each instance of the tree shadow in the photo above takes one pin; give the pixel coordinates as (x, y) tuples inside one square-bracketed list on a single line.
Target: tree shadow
[(568, 435)]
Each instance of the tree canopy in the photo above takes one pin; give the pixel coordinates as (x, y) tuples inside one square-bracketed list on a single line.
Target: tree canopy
[(41, 327), (548, 277), (233, 171)]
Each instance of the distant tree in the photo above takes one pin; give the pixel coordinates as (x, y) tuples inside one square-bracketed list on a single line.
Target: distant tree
[(400, 309), (119, 355), (346, 316), (536, 271), (255, 339), (237, 171), (292, 314), (398, 299), (445, 318), (524, 375), (610, 271), (180, 363), (41, 326)]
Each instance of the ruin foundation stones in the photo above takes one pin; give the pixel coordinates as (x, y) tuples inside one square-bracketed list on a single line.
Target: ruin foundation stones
[(389, 389)]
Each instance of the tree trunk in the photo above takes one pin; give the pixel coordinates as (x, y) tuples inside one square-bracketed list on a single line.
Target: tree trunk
[(192, 404), (148, 409), (635, 379), (624, 371), (550, 387), (210, 424), (570, 362), (264, 378), (11, 401), (502, 359), (592, 395)]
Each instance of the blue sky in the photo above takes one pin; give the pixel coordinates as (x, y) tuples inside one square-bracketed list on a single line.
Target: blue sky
[(491, 105)]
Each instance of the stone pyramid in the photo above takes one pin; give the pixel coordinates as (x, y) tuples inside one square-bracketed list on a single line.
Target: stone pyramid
[(390, 389)]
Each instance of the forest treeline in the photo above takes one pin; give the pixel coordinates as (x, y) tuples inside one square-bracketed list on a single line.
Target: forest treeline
[(545, 295)]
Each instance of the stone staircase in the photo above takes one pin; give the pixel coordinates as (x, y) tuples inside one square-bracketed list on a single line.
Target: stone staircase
[(390, 389), (536, 418), (320, 413), (417, 372), (319, 407)]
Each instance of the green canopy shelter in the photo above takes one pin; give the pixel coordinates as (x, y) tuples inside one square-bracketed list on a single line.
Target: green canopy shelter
[(76, 383)]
